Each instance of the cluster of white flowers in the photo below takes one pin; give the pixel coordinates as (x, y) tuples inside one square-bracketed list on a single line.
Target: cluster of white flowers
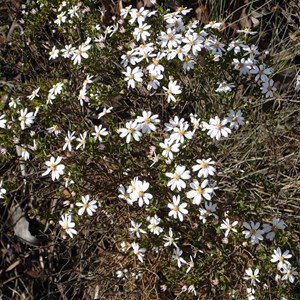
[(217, 128), (127, 274), (253, 231), (283, 265), (82, 97), (200, 191), (136, 192), (65, 12), (54, 165), (98, 133), (153, 227), (142, 124), (253, 276), (256, 235), (147, 59), (86, 205), (75, 54)]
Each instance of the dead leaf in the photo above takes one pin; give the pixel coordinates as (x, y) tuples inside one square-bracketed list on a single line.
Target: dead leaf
[(256, 14), (254, 21), (202, 14), (13, 265), (34, 274), (139, 4), (244, 20), (21, 226), (148, 3), (66, 193)]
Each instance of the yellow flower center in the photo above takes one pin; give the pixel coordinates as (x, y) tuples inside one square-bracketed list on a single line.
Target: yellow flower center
[(204, 165), (151, 77), (175, 208), (199, 190), (153, 226), (169, 37)]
